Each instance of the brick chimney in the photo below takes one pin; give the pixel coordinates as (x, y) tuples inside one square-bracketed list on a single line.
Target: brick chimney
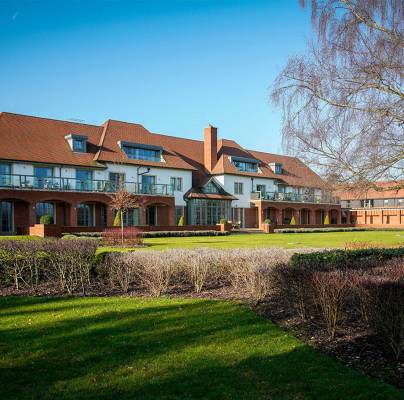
[(210, 147)]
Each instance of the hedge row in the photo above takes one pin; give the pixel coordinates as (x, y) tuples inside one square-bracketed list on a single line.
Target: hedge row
[(325, 230), (98, 235)]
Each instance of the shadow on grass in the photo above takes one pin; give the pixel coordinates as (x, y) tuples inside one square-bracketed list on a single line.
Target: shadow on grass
[(164, 349)]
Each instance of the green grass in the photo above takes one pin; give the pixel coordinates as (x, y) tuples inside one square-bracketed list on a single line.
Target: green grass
[(285, 240), (127, 348)]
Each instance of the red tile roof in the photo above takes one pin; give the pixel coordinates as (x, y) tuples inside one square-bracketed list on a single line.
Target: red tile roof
[(26, 138), (383, 190)]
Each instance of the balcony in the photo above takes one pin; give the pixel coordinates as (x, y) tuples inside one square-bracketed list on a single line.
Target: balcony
[(30, 182), (294, 198)]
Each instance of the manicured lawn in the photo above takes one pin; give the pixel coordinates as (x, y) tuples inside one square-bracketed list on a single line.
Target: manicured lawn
[(127, 348), (286, 240)]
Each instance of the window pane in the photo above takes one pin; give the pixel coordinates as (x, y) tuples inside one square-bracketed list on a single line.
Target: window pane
[(6, 216), (5, 169), (44, 209), (85, 215)]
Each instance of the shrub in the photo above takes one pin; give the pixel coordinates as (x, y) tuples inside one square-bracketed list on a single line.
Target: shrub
[(268, 221), (223, 221), (129, 236), (181, 221), (46, 220), (293, 220), (327, 219), (381, 295), (330, 291), (183, 233), (67, 263), (332, 259)]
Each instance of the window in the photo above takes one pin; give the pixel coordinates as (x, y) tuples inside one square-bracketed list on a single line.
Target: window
[(5, 169), (238, 216), (42, 209), (85, 215), (131, 217), (79, 145), (148, 184), (5, 172), (262, 189), (116, 179), (6, 216), (238, 188), (142, 153), (176, 184), (208, 212), (84, 180), (245, 166), (367, 203), (211, 187), (43, 177), (103, 215)]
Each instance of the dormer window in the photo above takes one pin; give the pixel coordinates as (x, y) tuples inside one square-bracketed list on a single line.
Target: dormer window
[(245, 164), (77, 143), (136, 151), (276, 167)]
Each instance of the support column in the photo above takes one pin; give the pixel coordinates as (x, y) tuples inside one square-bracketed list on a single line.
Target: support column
[(339, 217), (73, 215), (171, 216), (110, 216), (143, 215), (32, 213), (312, 217)]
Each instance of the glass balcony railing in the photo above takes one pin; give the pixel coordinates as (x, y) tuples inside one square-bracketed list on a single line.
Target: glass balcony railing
[(79, 185), (294, 197)]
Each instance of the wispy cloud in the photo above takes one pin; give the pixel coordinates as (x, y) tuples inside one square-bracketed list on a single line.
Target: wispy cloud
[(15, 15)]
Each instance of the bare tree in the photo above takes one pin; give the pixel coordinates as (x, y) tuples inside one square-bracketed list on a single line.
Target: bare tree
[(343, 101), (122, 201)]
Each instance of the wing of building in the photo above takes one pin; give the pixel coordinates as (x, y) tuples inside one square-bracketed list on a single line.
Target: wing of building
[(379, 206), (70, 170)]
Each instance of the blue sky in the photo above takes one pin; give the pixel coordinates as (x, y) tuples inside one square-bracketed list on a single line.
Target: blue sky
[(173, 66)]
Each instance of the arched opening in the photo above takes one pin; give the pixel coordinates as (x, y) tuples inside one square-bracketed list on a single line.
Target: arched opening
[(90, 214), (14, 216), (319, 217), (304, 216), (333, 217), (287, 215), (131, 217), (159, 214), (272, 214)]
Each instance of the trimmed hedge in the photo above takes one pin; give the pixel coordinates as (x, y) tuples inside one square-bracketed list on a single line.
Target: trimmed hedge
[(98, 235), (330, 259), (183, 234), (325, 230)]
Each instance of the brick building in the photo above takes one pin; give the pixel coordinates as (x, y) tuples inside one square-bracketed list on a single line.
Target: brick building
[(380, 207), (70, 170)]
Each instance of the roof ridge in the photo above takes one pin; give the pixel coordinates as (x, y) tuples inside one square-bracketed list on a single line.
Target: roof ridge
[(101, 141), (46, 118)]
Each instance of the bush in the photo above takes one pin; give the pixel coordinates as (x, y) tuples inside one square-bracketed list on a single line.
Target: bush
[(46, 220), (181, 221), (331, 259), (129, 236), (183, 234), (268, 221), (223, 221), (381, 294), (330, 291), (65, 263)]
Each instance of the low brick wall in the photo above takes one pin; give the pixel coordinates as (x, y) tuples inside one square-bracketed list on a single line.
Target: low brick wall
[(45, 230), (146, 228)]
